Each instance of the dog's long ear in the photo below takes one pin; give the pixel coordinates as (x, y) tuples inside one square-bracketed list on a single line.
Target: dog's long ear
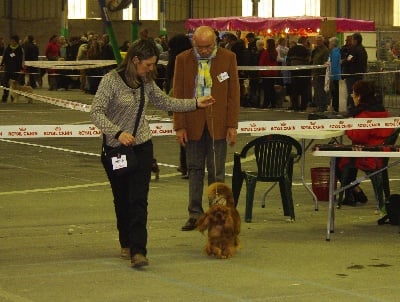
[(203, 222), (236, 219)]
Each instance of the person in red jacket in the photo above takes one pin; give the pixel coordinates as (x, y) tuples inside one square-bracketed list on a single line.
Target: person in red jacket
[(268, 57), (367, 105), (52, 53)]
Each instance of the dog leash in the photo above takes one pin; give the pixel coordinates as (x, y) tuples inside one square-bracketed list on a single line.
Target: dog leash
[(214, 153)]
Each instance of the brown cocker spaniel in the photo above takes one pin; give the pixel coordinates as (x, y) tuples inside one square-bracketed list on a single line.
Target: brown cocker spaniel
[(222, 222)]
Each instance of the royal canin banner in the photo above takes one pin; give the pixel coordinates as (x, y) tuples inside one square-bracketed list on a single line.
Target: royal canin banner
[(162, 129)]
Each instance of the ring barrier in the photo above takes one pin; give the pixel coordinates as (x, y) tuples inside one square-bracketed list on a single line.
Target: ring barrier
[(166, 128), (89, 64), (70, 65)]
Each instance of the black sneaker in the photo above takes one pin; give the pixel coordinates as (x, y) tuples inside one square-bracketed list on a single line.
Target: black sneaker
[(190, 225), (182, 170), (360, 197), (349, 200)]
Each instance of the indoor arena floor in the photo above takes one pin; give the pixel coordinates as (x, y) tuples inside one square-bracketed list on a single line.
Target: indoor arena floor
[(58, 238)]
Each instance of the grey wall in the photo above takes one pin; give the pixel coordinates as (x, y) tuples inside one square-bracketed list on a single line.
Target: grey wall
[(42, 18)]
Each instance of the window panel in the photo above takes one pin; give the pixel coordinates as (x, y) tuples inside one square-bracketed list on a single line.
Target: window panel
[(396, 12), (148, 10), (265, 8), (247, 8), (287, 8), (76, 9), (296, 8)]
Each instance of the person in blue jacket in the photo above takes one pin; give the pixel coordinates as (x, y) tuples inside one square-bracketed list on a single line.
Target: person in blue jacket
[(335, 74)]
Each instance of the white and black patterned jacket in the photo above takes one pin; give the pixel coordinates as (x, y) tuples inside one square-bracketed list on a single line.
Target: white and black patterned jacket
[(115, 107)]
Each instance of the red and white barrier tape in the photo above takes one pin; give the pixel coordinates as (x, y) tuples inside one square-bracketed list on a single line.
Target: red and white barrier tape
[(52, 100), (71, 65), (322, 124), (162, 129)]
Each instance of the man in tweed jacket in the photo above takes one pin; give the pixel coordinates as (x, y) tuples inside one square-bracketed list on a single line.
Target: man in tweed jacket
[(206, 69)]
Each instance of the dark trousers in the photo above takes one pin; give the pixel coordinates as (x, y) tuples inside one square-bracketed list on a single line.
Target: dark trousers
[(94, 76), (130, 193), (320, 96), (350, 80), (300, 87), (334, 88), (201, 154), (269, 92), (5, 82), (346, 176), (33, 74), (63, 79), (182, 159)]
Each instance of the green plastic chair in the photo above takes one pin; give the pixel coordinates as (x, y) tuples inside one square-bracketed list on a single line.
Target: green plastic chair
[(274, 155), (391, 140), (380, 181)]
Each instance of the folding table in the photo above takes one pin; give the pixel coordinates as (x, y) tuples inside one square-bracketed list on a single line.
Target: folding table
[(332, 191)]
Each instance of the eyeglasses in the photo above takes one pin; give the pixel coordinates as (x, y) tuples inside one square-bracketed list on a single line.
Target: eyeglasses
[(205, 47)]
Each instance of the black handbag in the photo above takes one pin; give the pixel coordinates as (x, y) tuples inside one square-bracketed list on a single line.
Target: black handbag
[(123, 159)]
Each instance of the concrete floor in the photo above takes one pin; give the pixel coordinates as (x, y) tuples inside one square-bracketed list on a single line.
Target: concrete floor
[(58, 240)]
